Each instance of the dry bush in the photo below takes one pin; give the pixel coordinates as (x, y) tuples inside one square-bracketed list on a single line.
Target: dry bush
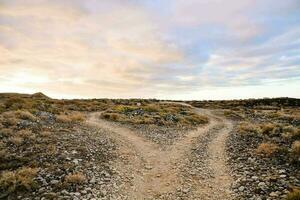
[(296, 148), (77, 117), (45, 134), (111, 116), (8, 181), (9, 120), (291, 132), (6, 132), (63, 118), (25, 177), (77, 178), (71, 117), (3, 153), (25, 115), (51, 149), (26, 134), (16, 140), (267, 128), (22, 178), (295, 195), (233, 115), (14, 103), (197, 119), (247, 128), (267, 149)]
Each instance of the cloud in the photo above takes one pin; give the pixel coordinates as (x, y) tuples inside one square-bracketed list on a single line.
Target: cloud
[(76, 48), (116, 49)]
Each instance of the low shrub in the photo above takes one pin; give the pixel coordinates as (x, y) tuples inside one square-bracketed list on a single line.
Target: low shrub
[(267, 149), (296, 148), (70, 117), (6, 132), (16, 140), (77, 178), (247, 128), (20, 179), (25, 115), (268, 128), (295, 195)]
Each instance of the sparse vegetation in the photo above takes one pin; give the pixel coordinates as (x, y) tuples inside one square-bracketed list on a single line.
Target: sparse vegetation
[(44, 140), (296, 148), (247, 128), (159, 114), (267, 149), (77, 178), (295, 195), (20, 179)]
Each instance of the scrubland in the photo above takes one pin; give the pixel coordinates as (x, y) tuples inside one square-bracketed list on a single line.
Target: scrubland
[(49, 151)]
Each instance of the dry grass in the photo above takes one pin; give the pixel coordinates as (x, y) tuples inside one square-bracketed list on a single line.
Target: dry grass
[(154, 113), (20, 179), (71, 117), (267, 149), (26, 134), (25, 115), (6, 132), (233, 115), (247, 128), (296, 148), (291, 132), (25, 177), (267, 128), (16, 140), (45, 134), (8, 181), (295, 195), (77, 178)]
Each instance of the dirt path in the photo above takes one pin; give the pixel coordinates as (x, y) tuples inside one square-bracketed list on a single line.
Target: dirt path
[(152, 172)]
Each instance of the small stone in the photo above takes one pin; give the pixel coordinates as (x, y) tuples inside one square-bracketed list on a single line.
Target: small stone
[(77, 194), (93, 180), (241, 189), (273, 194), (282, 171), (148, 167), (261, 184), (54, 182), (75, 161)]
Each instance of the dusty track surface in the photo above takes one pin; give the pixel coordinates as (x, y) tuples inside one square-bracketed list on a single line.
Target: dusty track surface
[(150, 172)]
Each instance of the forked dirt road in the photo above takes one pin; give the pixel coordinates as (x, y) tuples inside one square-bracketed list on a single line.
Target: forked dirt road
[(153, 173)]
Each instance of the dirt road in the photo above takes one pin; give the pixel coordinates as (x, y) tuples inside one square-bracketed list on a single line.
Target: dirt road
[(150, 172)]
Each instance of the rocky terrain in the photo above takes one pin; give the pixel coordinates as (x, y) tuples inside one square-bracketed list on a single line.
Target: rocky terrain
[(147, 149)]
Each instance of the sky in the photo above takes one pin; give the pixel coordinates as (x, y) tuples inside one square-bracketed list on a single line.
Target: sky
[(165, 49)]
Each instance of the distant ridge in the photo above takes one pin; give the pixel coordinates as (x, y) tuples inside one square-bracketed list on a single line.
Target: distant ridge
[(40, 95)]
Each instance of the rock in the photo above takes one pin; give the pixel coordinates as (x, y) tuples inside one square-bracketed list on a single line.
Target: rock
[(148, 167), (273, 194), (77, 194), (93, 180), (54, 182), (261, 184), (75, 161), (50, 195), (241, 189)]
